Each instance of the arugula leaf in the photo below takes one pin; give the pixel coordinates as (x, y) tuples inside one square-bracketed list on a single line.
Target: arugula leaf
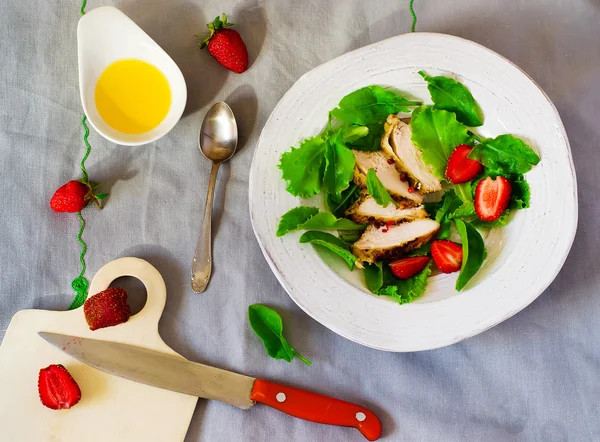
[(437, 132), (293, 218), (474, 252), (452, 96), (505, 155), (519, 198), (303, 167), (308, 218), (268, 326), (377, 190), (371, 142), (467, 208), (332, 243), (373, 276), (370, 105), (404, 290), (349, 197), (339, 165)]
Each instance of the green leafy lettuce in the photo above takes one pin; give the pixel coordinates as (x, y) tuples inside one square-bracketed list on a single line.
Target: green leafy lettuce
[(268, 326), (505, 155), (452, 96), (436, 133), (303, 167), (404, 290), (307, 218), (333, 243), (377, 190), (474, 252)]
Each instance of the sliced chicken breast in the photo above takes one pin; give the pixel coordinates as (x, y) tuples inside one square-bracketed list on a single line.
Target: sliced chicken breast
[(378, 243), (387, 174), (397, 144), (366, 210)]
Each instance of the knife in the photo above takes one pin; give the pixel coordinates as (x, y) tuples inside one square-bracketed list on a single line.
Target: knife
[(177, 374)]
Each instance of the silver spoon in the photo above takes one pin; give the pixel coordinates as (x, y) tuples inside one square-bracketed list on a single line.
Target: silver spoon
[(218, 141)]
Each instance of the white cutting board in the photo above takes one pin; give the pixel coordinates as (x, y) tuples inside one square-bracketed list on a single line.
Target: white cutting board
[(111, 408)]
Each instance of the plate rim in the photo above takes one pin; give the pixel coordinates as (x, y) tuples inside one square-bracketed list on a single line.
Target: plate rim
[(540, 287)]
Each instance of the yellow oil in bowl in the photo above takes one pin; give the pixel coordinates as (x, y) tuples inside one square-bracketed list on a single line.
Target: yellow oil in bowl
[(132, 96)]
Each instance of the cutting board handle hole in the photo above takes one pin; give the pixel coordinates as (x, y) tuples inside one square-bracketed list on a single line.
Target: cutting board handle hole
[(136, 292)]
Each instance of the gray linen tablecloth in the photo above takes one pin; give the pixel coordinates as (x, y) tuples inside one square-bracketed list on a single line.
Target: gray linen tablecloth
[(536, 377)]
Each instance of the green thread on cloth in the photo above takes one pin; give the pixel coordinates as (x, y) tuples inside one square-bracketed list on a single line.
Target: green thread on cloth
[(412, 12), (88, 148), (80, 284), (83, 3)]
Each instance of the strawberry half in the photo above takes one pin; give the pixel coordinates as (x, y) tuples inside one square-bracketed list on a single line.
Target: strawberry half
[(57, 388), (405, 268), (226, 45), (460, 168), (492, 198), (447, 255), (107, 308)]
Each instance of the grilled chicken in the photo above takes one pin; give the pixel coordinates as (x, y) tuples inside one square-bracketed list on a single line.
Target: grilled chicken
[(387, 174), (390, 242), (366, 210), (397, 144)]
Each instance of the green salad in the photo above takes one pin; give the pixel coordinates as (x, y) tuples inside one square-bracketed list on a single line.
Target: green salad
[(398, 178)]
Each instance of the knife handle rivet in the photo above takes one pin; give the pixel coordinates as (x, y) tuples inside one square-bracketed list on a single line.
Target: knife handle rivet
[(280, 397), (360, 416)]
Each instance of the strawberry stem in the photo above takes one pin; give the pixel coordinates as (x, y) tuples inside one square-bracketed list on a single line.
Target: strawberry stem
[(217, 23)]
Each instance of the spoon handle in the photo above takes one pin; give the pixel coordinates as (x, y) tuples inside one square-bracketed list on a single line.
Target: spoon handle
[(202, 264)]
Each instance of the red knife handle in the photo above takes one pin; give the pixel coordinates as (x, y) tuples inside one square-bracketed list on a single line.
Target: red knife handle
[(316, 407)]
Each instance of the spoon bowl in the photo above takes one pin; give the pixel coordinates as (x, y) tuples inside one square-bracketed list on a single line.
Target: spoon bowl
[(218, 142)]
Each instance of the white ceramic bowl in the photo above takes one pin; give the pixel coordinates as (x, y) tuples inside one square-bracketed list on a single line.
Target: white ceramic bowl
[(523, 258), (105, 35)]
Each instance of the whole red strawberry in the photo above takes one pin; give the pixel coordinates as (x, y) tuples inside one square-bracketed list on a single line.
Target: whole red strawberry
[(226, 45), (74, 196), (107, 308), (57, 388)]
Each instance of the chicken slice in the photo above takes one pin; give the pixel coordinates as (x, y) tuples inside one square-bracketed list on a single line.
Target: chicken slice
[(391, 242), (366, 210), (387, 174), (397, 144)]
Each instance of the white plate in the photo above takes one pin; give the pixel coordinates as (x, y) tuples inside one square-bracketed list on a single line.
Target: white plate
[(523, 258)]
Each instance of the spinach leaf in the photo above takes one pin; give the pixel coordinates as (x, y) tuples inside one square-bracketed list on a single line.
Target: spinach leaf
[(519, 198), (332, 243), (350, 236), (307, 218), (505, 155), (303, 167), (374, 276), (377, 190), (449, 204), (404, 290), (268, 326), (349, 197), (474, 252), (452, 96), (424, 250), (370, 105), (436, 133), (294, 218)]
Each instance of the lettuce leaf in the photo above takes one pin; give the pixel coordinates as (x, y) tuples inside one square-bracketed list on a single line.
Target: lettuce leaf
[(519, 198), (505, 155), (303, 167), (404, 290), (377, 190), (436, 133), (450, 95), (308, 218)]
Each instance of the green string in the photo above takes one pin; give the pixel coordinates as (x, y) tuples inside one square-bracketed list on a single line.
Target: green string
[(412, 12), (80, 284)]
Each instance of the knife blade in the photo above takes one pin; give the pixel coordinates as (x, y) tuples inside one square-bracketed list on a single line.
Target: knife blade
[(177, 374)]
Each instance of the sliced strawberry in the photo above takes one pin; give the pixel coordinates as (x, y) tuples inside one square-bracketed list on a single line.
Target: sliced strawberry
[(57, 388), (447, 255), (492, 197), (405, 268), (460, 168)]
